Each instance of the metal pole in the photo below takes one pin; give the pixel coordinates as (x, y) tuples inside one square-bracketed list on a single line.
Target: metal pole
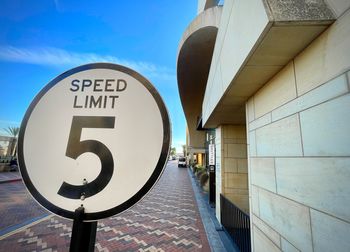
[(83, 233)]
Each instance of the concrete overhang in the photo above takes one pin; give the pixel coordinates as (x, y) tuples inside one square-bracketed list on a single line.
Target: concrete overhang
[(206, 4), (193, 64), (256, 39)]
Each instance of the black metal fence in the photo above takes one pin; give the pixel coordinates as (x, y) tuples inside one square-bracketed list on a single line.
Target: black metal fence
[(236, 223)]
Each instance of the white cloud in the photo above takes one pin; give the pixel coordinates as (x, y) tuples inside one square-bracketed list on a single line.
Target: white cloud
[(9, 123), (51, 56)]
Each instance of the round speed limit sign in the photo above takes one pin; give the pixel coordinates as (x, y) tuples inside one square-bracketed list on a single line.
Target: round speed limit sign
[(98, 136)]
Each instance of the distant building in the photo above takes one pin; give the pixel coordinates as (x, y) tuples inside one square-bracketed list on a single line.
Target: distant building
[(6, 143), (2, 151), (267, 82)]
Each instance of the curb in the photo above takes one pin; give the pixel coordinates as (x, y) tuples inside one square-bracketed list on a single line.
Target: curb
[(215, 243), (24, 225), (10, 180), (219, 241)]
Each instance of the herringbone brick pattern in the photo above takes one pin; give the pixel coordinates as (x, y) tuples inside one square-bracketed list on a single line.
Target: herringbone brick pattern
[(167, 219)]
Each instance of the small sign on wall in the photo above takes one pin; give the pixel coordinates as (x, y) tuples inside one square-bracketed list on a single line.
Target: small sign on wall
[(211, 154)]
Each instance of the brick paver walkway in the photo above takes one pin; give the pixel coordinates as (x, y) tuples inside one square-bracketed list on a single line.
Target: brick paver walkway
[(17, 206), (167, 219)]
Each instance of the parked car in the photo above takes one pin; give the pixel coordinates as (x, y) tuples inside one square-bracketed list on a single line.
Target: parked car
[(181, 162)]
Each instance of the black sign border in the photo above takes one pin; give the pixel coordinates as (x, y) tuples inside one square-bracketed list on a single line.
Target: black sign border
[(146, 187)]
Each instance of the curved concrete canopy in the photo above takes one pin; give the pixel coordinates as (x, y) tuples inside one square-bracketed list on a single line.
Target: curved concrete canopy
[(256, 39), (193, 64)]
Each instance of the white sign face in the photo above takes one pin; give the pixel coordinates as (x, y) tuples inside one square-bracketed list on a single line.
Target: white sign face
[(98, 136), (211, 154)]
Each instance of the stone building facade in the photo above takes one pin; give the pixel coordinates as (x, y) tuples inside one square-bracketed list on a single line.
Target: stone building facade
[(272, 78)]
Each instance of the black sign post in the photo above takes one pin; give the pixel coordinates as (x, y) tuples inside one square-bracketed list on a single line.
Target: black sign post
[(83, 233), (212, 185), (212, 182)]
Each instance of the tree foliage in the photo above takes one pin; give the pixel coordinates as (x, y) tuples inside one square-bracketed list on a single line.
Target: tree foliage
[(13, 131)]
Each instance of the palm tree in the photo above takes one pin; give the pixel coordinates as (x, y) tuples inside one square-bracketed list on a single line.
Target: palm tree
[(13, 131), (173, 151)]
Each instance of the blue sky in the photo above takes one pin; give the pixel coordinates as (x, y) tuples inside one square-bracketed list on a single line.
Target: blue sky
[(40, 39)]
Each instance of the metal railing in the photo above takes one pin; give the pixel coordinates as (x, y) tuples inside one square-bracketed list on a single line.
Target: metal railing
[(236, 223), (6, 159)]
